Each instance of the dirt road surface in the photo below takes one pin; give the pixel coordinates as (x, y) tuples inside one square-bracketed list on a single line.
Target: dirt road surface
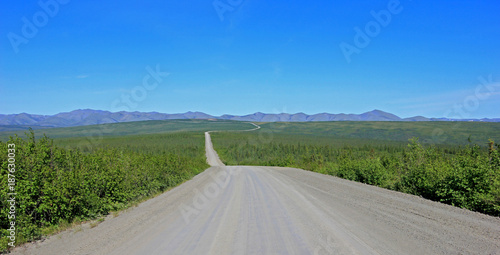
[(271, 210)]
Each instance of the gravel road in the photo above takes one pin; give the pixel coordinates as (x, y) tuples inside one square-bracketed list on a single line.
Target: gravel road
[(272, 210)]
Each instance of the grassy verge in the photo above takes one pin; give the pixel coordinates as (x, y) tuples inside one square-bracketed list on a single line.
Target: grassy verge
[(59, 184)]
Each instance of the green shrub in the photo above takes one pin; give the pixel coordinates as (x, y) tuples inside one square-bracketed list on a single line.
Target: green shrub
[(56, 185), (467, 177)]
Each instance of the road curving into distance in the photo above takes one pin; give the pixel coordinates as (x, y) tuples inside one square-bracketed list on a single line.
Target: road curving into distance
[(274, 210), (212, 157)]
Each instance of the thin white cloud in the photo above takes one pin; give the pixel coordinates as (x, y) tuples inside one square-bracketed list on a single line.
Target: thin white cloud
[(82, 76), (110, 91), (442, 103), (277, 69), (453, 96)]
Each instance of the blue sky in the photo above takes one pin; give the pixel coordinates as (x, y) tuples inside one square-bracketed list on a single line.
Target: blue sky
[(417, 57)]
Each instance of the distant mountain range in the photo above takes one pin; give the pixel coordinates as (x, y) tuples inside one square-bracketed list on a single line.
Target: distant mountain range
[(92, 117)]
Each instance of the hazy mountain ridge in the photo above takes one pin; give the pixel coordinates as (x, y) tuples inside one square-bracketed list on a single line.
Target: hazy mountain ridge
[(92, 117)]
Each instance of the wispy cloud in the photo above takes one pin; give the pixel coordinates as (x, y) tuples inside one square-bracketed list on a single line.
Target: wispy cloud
[(277, 69), (82, 76), (110, 91), (440, 103)]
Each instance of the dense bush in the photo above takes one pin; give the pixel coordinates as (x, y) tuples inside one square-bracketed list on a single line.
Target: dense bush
[(463, 176), (57, 185)]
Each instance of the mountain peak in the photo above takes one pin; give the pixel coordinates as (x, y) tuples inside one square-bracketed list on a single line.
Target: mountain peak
[(82, 117)]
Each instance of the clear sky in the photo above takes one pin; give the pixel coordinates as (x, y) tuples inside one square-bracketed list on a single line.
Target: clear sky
[(406, 57)]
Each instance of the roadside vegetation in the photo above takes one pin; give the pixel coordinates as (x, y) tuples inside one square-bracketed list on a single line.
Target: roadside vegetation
[(127, 128), (85, 173), (466, 176), (58, 184)]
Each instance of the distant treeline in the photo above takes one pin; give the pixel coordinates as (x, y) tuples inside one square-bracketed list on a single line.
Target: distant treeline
[(464, 176), (57, 185)]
